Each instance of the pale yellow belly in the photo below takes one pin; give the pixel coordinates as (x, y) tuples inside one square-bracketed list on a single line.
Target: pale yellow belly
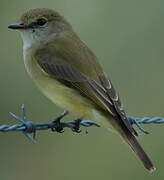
[(65, 97)]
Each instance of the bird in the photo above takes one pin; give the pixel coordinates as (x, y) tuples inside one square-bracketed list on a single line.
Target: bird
[(70, 75)]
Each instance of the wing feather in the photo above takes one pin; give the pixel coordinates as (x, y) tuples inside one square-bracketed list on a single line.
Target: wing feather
[(89, 80)]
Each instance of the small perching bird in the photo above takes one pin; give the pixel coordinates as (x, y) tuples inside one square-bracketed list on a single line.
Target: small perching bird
[(69, 74)]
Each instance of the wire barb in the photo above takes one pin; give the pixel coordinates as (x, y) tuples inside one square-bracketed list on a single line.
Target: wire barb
[(29, 131), (29, 128)]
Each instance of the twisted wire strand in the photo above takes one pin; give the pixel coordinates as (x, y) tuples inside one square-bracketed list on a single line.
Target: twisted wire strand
[(146, 120), (29, 128)]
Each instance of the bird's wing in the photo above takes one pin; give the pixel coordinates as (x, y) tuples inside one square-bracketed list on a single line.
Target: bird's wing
[(88, 79)]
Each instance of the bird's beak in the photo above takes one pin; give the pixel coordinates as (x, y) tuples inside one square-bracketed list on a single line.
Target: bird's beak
[(18, 26)]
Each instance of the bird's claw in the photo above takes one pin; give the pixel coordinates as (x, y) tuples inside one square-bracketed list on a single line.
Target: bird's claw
[(59, 127), (76, 127)]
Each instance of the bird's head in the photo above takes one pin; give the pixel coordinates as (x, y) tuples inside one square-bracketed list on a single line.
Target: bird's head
[(38, 25)]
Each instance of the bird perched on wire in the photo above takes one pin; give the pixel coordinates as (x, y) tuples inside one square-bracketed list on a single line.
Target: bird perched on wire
[(70, 75)]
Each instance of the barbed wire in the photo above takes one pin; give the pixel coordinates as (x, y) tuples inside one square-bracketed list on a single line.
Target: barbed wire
[(29, 128)]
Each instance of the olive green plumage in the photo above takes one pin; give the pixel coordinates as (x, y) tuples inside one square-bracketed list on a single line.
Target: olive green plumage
[(69, 74)]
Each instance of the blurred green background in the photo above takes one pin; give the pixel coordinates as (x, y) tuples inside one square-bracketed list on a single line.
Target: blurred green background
[(127, 36)]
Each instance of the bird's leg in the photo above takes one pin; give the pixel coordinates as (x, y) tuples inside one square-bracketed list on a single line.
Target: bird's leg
[(76, 127), (58, 125)]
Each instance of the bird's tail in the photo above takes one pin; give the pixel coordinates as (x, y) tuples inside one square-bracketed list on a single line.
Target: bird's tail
[(129, 138), (136, 147)]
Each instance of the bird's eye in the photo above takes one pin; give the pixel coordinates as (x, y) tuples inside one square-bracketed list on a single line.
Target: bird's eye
[(41, 21)]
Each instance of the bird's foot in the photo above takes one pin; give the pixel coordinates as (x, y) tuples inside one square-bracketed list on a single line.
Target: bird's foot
[(76, 127), (59, 127)]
